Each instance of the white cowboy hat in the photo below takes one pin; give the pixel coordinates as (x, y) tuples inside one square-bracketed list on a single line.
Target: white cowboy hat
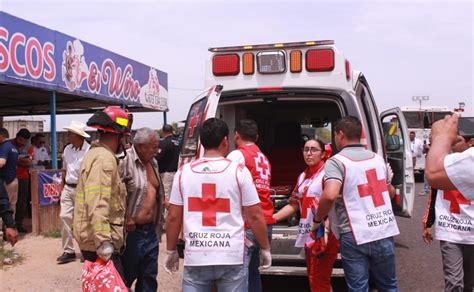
[(77, 128)]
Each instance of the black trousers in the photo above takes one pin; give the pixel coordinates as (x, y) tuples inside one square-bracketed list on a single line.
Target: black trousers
[(23, 198)]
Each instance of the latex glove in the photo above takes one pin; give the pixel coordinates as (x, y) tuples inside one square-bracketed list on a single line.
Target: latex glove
[(105, 250), (389, 173), (316, 225), (171, 261), (265, 258)]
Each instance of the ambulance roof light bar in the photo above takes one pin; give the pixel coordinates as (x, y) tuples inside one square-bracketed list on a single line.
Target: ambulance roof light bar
[(272, 46)]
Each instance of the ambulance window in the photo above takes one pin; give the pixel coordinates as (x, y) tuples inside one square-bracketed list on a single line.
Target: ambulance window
[(414, 119), (372, 118), (392, 134), (363, 111), (318, 128), (191, 132)]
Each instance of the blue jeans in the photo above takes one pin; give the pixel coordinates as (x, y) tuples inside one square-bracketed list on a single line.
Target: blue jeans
[(254, 281), (227, 278), (377, 256), (140, 259), (426, 186)]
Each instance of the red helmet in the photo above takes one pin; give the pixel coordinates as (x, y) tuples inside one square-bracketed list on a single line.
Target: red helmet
[(112, 119)]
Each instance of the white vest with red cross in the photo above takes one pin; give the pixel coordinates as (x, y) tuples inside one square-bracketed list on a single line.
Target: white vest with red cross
[(260, 168), (366, 198), (454, 221), (212, 207), (308, 192)]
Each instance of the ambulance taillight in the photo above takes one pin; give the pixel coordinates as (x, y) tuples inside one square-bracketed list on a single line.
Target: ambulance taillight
[(319, 60), (226, 65), (248, 64), (274, 59), (271, 62), (296, 61), (348, 70)]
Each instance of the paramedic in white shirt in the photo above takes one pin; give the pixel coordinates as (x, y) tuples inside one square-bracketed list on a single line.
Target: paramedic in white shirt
[(449, 171), (209, 198)]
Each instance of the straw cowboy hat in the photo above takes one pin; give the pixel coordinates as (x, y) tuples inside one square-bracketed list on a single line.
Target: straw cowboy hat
[(77, 128)]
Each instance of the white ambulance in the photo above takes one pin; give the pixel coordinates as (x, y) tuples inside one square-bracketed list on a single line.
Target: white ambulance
[(296, 91), (419, 120)]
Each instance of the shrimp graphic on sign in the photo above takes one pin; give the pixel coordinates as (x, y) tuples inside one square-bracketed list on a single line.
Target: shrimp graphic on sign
[(209, 205)]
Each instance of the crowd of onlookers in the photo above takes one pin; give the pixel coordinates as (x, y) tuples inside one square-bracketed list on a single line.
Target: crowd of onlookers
[(17, 157)]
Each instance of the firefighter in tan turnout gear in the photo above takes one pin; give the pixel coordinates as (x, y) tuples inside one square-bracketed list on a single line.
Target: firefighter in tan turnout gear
[(99, 213)]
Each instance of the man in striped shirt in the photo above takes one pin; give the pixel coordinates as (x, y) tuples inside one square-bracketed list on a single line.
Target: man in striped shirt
[(144, 214)]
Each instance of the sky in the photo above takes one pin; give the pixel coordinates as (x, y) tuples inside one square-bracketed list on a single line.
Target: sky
[(404, 48)]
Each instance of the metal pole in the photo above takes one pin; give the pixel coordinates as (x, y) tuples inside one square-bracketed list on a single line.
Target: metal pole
[(164, 118), (54, 146)]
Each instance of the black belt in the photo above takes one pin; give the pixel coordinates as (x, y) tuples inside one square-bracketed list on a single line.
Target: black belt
[(71, 185), (148, 226)]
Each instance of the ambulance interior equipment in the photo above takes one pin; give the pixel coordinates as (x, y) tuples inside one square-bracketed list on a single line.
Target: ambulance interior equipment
[(296, 91)]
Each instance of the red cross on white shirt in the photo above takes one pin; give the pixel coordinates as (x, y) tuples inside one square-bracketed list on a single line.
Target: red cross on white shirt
[(209, 205), (373, 188), (306, 203), (456, 199)]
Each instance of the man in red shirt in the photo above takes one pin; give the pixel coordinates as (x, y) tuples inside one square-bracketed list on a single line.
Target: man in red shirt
[(25, 158), (248, 154)]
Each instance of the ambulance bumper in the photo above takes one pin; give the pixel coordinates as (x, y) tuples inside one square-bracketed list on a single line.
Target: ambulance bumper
[(297, 271)]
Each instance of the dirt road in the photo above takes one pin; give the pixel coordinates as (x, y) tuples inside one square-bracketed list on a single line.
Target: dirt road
[(39, 271)]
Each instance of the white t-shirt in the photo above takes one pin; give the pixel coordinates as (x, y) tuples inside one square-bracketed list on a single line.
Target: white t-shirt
[(236, 156), (212, 192), (72, 159), (40, 154), (247, 188), (416, 148), (460, 170)]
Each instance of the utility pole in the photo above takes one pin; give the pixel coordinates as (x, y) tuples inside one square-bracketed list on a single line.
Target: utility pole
[(460, 109), (420, 98)]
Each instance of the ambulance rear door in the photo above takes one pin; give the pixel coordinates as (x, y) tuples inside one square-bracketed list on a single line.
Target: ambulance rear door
[(203, 108), (399, 156)]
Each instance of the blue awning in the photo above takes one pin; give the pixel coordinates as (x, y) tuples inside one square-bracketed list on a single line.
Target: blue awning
[(35, 60)]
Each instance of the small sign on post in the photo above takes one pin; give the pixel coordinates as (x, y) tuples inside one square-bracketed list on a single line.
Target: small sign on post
[(46, 187)]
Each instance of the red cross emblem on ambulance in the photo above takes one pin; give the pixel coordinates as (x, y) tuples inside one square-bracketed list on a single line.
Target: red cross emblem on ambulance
[(193, 122), (209, 204), (456, 199), (373, 188), (262, 166)]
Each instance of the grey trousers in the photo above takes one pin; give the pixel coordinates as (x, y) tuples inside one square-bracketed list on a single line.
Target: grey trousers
[(68, 196), (458, 266), (12, 191)]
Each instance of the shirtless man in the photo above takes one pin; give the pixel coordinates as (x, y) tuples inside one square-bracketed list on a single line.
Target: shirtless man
[(144, 215)]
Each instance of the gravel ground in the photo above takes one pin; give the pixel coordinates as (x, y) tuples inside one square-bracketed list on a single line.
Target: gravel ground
[(40, 272)]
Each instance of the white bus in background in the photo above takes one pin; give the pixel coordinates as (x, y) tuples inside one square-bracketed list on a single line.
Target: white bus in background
[(419, 120)]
